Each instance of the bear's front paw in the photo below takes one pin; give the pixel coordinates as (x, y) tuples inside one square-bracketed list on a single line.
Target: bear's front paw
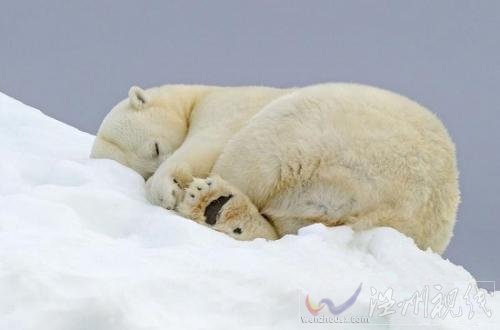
[(216, 204), (202, 197), (165, 190)]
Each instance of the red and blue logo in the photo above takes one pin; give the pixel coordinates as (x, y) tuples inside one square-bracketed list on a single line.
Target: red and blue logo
[(314, 309)]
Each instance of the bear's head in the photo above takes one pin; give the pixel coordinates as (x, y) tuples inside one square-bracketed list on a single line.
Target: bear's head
[(142, 131)]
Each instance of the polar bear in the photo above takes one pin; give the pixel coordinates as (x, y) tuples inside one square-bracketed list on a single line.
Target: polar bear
[(264, 162)]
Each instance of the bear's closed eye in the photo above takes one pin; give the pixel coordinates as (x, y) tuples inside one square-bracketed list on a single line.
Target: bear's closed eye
[(157, 149)]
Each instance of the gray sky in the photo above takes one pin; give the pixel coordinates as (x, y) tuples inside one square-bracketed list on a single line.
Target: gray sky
[(75, 59)]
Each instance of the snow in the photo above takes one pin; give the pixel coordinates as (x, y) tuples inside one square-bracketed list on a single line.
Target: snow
[(81, 248)]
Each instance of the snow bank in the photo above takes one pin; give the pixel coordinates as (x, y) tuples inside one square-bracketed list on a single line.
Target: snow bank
[(80, 248)]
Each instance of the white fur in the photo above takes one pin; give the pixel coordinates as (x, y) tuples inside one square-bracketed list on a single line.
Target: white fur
[(332, 153)]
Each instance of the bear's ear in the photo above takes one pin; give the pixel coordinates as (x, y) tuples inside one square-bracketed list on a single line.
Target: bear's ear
[(137, 97)]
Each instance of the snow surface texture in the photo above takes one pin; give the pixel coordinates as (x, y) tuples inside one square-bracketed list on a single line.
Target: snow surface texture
[(81, 248)]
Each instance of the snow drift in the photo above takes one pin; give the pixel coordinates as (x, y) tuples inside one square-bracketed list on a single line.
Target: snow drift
[(81, 248)]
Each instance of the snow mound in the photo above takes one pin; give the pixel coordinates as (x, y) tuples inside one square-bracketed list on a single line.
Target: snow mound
[(81, 248)]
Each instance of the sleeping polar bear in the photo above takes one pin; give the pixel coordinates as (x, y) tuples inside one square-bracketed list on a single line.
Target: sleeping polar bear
[(264, 162)]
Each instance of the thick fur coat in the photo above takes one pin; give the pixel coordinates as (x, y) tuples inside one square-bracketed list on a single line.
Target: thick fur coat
[(280, 159)]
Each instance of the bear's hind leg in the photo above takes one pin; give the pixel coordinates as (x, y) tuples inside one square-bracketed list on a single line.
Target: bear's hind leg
[(303, 205)]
